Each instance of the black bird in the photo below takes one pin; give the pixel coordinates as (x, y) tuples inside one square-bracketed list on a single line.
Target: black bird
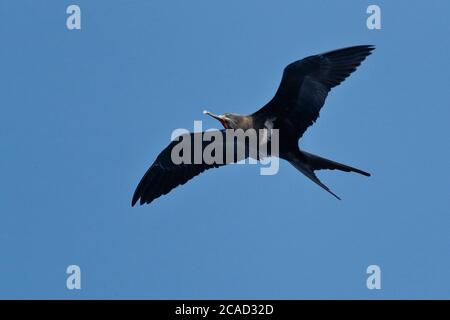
[(296, 105)]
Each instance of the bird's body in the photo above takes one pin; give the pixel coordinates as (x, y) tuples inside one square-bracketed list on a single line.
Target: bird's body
[(296, 105)]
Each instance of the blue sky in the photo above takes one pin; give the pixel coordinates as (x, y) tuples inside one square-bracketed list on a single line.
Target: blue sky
[(85, 112)]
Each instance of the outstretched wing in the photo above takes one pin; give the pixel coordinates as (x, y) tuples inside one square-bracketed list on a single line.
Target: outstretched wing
[(165, 174), (305, 85)]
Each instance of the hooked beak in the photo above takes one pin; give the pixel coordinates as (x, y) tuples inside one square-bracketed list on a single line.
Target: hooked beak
[(222, 119)]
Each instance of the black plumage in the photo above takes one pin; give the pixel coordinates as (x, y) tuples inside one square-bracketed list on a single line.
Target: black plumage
[(296, 105)]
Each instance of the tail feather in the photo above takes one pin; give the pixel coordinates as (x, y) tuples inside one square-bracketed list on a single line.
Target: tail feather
[(311, 175), (307, 163), (319, 163)]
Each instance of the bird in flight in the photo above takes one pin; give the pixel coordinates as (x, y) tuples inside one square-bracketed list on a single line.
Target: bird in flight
[(295, 106)]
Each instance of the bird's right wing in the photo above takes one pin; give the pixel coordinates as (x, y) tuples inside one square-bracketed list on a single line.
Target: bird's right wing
[(305, 85), (165, 175)]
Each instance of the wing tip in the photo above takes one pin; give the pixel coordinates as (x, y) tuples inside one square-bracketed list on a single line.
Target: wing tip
[(363, 49), (364, 173), (134, 200), (370, 48), (136, 195)]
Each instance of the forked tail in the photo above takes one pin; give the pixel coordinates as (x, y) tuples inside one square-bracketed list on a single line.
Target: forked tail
[(307, 163)]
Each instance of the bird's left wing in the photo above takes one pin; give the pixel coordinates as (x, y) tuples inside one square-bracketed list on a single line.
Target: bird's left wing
[(305, 85), (165, 175)]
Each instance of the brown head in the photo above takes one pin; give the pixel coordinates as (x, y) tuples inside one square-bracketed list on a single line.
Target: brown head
[(232, 121)]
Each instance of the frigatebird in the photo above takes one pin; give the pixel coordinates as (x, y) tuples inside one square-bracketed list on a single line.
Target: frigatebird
[(295, 106)]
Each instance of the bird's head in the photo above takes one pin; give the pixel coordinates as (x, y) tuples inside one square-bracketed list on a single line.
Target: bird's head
[(228, 120)]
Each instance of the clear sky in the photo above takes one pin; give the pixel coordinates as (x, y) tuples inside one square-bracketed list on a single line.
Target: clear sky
[(85, 112)]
